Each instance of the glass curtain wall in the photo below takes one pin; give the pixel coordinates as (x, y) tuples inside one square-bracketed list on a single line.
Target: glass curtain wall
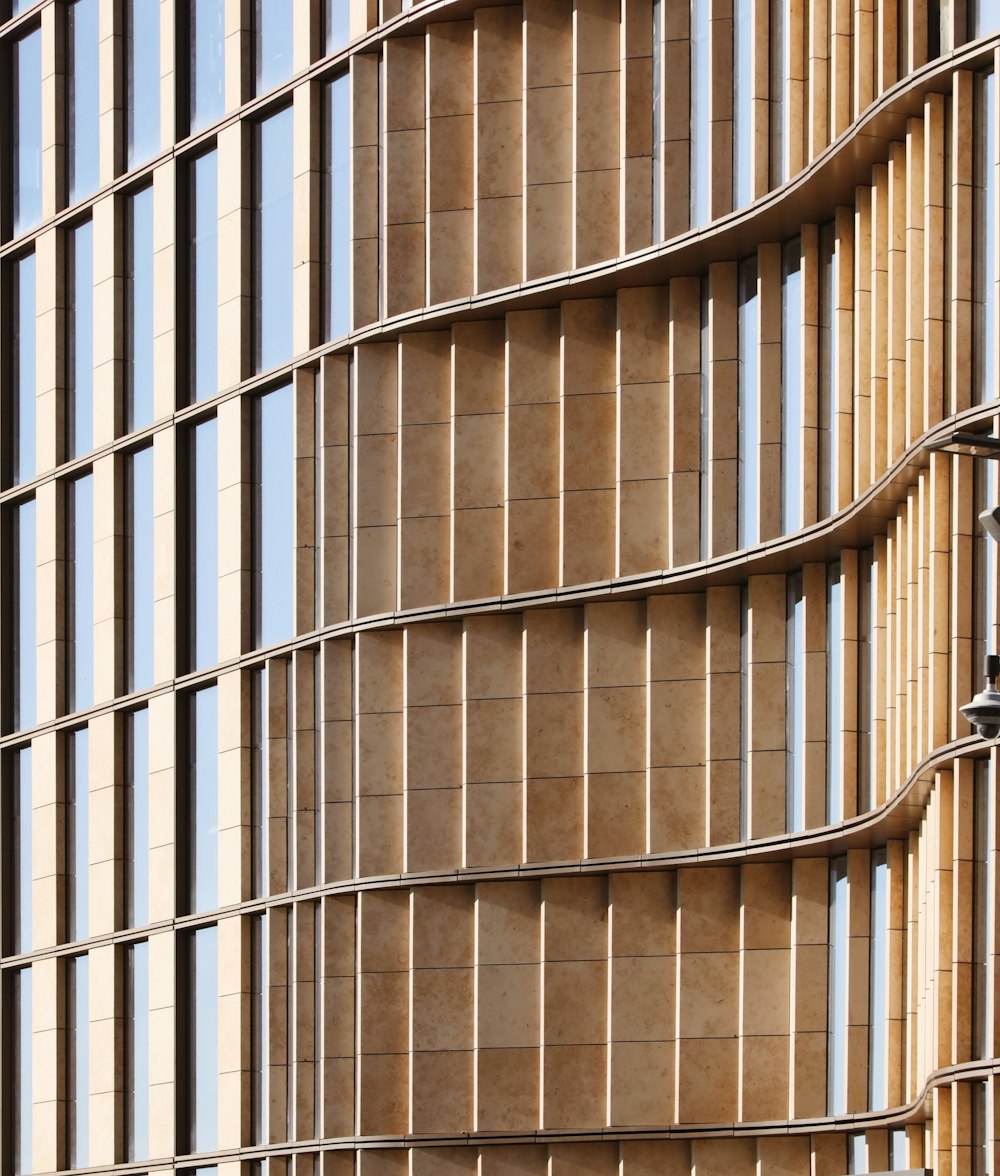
[(202, 987), (207, 62), (83, 108), (274, 516), (80, 593), (137, 817), (983, 814), (272, 28), (837, 1001), (984, 17), (337, 208), (78, 1060), (203, 545), (137, 1051), (834, 694), (336, 24), (866, 680), (139, 310), (203, 799), (748, 322), (142, 74), (795, 705), (23, 619), (657, 154), (22, 1070), (701, 114), (878, 1035), (827, 382), (26, 98), (984, 237), (203, 319), (77, 835), (778, 82), (791, 388), (19, 843), (272, 240), (742, 102), (139, 589), (23, 376), (259, 783), (80, 340)]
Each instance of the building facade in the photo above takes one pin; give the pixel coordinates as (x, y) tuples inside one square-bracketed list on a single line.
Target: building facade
[(483, 619)]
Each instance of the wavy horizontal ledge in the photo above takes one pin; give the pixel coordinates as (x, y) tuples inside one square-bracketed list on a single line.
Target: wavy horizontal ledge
[(893, 819)]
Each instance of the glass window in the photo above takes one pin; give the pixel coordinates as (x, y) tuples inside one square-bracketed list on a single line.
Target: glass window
[(23, 619), (985, 17), (837, 1014), (80, 592), (203, 1029), (80, 340), (139, 589), (742, 102), (795, 705), (137, 1051), (274, 516), (827, 383), (203, 545), (137, 817), (23, 374), (834, 694), (658, 131), (791, 388), (985, 229), (19, 848), (982, 1142), (272, 42), (897, 1147), (83, 97), (139, 310), (857, 1153), (259, 777), (701, 114), (208, 61), (878, 1040), (337, 208), (78, 1061), (203, 319), (77, 835), (778, 104), (21, 1015), (142, 58), (26, 91), (749, 403), (272, 240), (336, 24), (203, 799), (258, 1027), (866, 680), (982, 886)]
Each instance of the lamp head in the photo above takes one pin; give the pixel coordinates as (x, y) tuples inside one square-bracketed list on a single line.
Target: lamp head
[(989, 520), (983, 712)]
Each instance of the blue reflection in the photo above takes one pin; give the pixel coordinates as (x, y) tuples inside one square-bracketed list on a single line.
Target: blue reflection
[(743, 103), (749, 403), (78, 840), (22, 1118), (274, 522), (827, 370), (80, 311), (140, 561), (208, 61), (337, 210), (203, 323), (21, 872), (791, 389), (985, 17), (701, 115), (139, 287), (83, 97), (273, 241), (79, 1048), (142, 55), (24, 615), (26, 83), (24, 369), (81, 574), (205, 1039), (336, 24), (137, 785), (204, 799), (204, 546), (272, 43), (138, 1061)]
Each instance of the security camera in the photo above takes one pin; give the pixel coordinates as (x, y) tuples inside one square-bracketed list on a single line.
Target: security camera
[(989, 520), (983, 712)]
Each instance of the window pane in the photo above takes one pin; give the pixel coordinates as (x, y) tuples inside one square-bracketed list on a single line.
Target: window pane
[(139, 585), (82, 96), (23, 375), (336, 24), (701, 115), (203, 799), (77, 834), (80, 592), (337, 209), (137, 816), (208, 61), (778, 105), (142, 55), (203, 322), (749, 407), (985, 17), (204, 1030), (658, 129), (795, 705), (258, 794), (983, 813), (137, 1052), (24, 615), (272, 43), (78, 1063), (791, 388), (984, 235), (21, 982), (742, 102), (834, 695), (837, 1014), (827, 384), (20, 848), (274, 517), (273, 241), (259, 971), (203, 549), (26, 88), (139, 310), (867, 679), (878, 1044), (80, 341)]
